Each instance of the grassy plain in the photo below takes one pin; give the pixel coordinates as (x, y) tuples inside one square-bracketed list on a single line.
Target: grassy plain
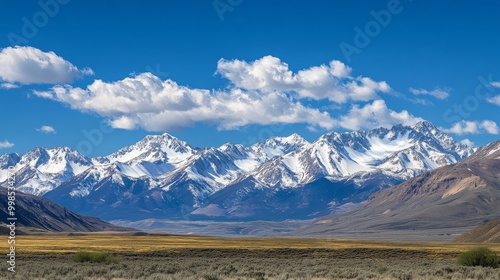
[(211, 258)]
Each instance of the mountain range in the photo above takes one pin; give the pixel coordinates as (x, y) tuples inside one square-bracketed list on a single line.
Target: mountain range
[(279, 178), (462, 195)]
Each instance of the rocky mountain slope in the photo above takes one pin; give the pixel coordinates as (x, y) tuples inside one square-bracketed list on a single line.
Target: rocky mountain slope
[(35, 212)]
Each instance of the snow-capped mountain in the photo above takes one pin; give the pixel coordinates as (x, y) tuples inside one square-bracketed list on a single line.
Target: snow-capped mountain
[(279, 178), (401, 151), (41, 170), (152, 156), (461, 195)]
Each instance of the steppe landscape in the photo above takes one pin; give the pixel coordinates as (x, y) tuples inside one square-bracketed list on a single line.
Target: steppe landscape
[(193, 257)]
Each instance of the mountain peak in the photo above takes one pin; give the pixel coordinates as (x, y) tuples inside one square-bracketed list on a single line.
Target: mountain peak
[(424, 123), (294, 139), (277, 146), (152, 148), (164, 137), (231, 147), (37, 154), (158, 141), (423, 126), (167, 135), (38, 150)]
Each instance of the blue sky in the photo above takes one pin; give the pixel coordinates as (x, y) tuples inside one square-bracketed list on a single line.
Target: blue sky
[(211, 72)]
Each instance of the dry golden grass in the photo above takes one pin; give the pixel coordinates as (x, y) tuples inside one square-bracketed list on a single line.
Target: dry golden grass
[(53, 257), (120, 243)]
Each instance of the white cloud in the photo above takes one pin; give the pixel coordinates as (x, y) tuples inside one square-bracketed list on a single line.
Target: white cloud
[(494, 100), (437, 93), (464, 127), (333, 81), (467, 142), (6, 144), (262, 92), (421, 101), (474, 127), (28, 65), (46, 129), (491, 127), (8, 86), (495, 84), (145, 101), (376, 114)]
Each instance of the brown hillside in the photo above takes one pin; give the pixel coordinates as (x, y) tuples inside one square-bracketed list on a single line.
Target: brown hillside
[(40, 213), (485, 233)]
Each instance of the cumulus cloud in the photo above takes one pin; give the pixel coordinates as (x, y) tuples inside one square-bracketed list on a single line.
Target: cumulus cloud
[(437, 93), (145, 101), (495, 84), (332, 81), (491, 127), (474, 127), (6, 144), (261, 92), (494, 100), (375, 114), (46, 129), (28, 65)]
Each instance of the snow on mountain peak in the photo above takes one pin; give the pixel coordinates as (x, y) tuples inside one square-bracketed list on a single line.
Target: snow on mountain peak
[(7, 160), (58, 160), (294, 139), (403, 151), (278, 146), (278, 162), (233, 149), (153, 148)]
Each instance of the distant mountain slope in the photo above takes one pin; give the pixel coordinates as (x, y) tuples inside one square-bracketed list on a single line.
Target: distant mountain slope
[(38, 212), (486, 233), (460, 195), (279, 178)]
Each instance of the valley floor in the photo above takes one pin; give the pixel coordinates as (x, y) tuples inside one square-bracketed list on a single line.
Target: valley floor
[(194, 257)]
